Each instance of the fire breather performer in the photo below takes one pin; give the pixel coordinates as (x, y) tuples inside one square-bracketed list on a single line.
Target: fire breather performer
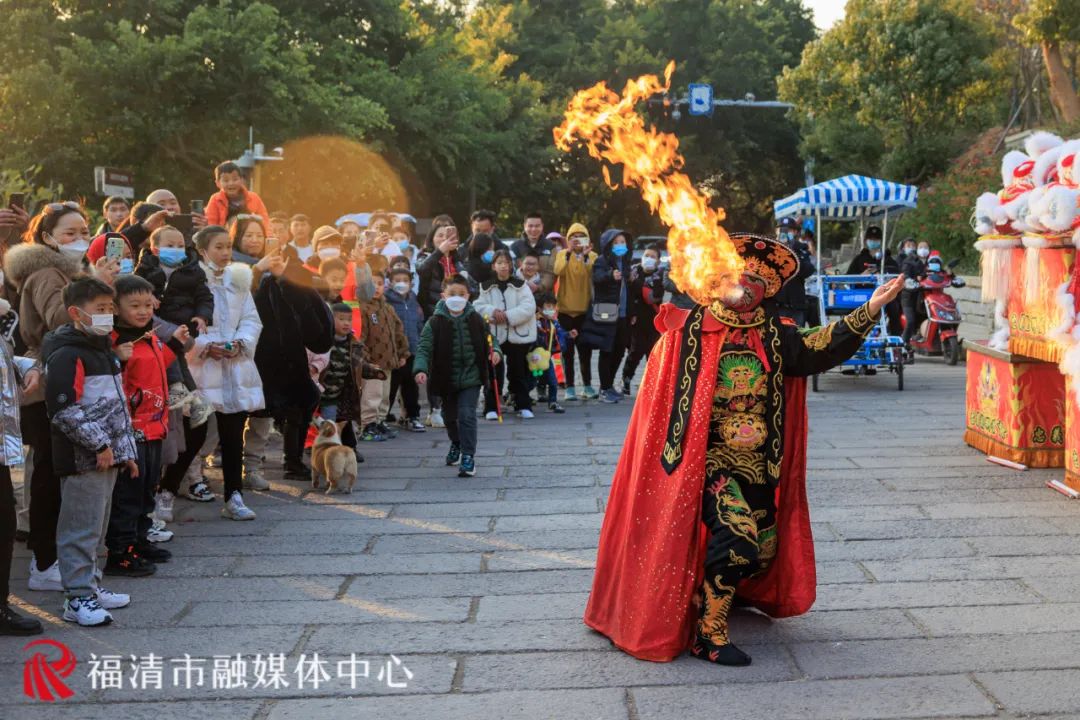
[(708, 503)]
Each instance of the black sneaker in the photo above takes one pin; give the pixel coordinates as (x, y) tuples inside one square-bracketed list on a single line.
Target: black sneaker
[(152, 552), (556, 408), (297, 470), (453, 457), (12, 623), (468, 466), (386, 430), (129, 564), (371, 434)]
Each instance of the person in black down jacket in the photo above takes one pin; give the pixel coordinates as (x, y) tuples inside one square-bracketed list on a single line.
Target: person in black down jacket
[(291, 310), (611, 277)]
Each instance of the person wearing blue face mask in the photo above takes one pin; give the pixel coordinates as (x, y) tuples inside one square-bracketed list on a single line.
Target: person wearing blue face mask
[(873, 259), (606, 325), (791, 300), (868, 261), (478, 259)]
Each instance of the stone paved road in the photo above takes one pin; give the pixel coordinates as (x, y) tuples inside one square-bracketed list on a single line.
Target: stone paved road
[(949, 588)]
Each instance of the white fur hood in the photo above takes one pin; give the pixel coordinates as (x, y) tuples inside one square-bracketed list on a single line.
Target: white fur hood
[(237, 276)]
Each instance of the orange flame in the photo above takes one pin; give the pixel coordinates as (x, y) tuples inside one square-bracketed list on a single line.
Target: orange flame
[(704, 262)]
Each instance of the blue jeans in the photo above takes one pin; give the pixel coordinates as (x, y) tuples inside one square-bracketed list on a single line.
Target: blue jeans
[(459, 414)]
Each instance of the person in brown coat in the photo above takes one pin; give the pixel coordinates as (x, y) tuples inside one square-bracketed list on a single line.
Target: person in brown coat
[(38, 270), (386, 346)]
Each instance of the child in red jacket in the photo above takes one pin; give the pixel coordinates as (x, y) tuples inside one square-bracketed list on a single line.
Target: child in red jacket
[(146, 392), (233, 198)]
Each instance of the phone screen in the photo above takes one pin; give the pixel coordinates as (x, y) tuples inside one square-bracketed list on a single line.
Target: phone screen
[(272, 244), (114, 247), (196, 207)]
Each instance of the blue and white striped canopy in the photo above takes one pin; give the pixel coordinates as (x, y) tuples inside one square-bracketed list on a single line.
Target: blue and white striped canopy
[(848, 198)]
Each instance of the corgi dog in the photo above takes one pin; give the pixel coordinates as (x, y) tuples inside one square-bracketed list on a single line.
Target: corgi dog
[(332, 460)]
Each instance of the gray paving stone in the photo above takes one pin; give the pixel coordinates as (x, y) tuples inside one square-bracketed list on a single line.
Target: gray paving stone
[(936, 656), (965, 527), (368, 526), (976, 568), (485, 542), (483, 636), (529, 523), (922, 594), (604, 704), (538, 582), (74, 709), (343, 610), (359, 564), (540, 559), (893, 549), (1039, 691), (533, 508), (538, 671), (1051, 507), (551, 605), (1005, 619), (876, 699)]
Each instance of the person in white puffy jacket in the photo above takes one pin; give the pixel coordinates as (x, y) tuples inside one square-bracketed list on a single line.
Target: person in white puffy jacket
[(223, 359), (507, 303)]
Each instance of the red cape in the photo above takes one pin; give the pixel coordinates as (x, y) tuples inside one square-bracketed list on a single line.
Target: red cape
[(652, 543)]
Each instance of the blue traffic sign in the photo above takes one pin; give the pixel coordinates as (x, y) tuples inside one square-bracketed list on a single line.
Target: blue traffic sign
[(701, 99)]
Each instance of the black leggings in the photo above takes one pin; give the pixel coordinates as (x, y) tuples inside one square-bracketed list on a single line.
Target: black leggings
[(44, 485), (584, 353), (294, 429), (610, 360), (230, 427), (7, 530), (194, 437)]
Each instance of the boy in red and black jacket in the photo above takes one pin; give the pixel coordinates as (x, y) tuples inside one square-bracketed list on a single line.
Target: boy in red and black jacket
[(146, 392)]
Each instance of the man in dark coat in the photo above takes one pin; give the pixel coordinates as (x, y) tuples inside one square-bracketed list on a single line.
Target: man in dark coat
[(291, 310), (791, 300), (869, 262)]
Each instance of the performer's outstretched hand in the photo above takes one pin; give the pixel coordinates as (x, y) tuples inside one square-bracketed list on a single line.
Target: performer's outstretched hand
[(886, 294)]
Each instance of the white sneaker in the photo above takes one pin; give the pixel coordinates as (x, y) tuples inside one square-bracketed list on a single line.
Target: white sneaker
[(112, 600), (157, 533), (48, 579), (199, 492), (526, 414), (86, 611), (492, 416), (163, 506), (435, 419), (254, 480), (235, 509)]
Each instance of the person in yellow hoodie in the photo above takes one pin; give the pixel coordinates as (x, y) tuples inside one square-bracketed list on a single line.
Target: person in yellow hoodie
[(573, 268)]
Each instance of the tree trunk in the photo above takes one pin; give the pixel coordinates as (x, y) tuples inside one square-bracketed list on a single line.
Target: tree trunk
[(1062, 92)]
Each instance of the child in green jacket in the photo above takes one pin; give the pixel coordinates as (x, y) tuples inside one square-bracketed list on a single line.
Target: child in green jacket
[(453, 355)]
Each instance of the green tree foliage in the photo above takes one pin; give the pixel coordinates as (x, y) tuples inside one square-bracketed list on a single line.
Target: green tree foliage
[(457, 97), (896, 88)]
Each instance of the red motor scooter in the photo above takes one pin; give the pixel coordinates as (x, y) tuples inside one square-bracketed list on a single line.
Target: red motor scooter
[(938, 333)]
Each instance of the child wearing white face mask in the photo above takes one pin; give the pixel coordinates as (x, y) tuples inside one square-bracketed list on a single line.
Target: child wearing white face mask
[(327, 243), (407, 306), (92, 437)]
